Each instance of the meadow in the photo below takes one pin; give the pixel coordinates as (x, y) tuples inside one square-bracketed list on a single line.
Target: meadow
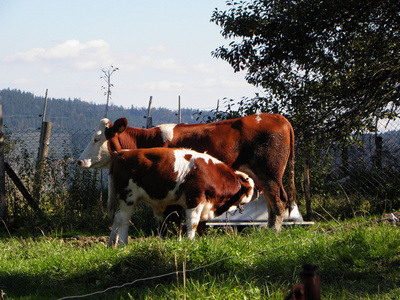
[(356, 259)]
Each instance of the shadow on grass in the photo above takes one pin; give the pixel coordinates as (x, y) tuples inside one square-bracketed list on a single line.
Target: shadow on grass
[(344, 270)]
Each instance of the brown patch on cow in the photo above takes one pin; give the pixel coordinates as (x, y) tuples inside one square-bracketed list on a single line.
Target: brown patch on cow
[(214, 183), (188, 157), (145, 167)]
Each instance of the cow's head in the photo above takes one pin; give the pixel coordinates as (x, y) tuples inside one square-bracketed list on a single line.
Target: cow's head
[(249, 190), (104, 142)]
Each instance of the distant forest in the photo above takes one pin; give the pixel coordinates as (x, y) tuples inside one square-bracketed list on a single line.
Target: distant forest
[(23, 110)]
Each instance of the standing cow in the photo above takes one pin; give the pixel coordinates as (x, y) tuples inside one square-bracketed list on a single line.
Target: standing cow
[(259, 145), (204, 186)]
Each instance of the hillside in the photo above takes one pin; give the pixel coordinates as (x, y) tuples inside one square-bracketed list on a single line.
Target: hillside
[(23, 110)]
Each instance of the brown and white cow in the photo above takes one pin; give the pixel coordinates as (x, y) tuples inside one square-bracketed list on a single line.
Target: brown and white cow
[(204, 186), (260, 145)]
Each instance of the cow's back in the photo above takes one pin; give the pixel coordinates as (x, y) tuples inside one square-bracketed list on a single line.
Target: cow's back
[(253, 141)]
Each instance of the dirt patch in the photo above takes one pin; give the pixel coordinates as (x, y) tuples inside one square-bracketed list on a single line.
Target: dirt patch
[(392, 218), (86, 241)]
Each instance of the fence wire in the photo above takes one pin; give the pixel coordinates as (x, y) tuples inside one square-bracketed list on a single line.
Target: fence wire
[(369, 167), (308, 241)]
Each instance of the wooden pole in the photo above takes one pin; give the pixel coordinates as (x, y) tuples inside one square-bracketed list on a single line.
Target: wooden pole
[(179, 111), (22, 189), (42, 155), (217, 110), (45, 106), (378, 152), (149, 122), (307, 188), (3, 201), (345, 161), (44, 141)]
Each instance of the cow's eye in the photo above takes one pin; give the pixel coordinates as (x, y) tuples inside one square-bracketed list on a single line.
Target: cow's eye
[(96, 140)]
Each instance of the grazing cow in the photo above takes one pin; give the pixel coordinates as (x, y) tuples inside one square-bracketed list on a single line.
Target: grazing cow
[(204, 186), (260, 145)]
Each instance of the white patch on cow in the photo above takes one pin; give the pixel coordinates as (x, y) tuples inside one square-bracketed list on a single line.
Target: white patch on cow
[(258, 118), (192, 220), (247, 199), (182, 166), (96, 154), (167, 132), (120, 227), (138, 194), (207, 213)]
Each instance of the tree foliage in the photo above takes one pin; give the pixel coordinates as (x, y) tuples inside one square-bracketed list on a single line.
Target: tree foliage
[(21, 111), (331, 66)]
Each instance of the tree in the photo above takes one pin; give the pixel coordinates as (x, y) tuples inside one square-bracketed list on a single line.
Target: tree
[(332, 67), (107, 79)]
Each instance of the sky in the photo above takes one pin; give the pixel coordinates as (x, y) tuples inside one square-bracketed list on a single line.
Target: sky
[(162, 49)]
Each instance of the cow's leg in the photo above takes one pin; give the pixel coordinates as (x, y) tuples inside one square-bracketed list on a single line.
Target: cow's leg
[(192, 220), (119, 230), (276, 206), (201, 228)]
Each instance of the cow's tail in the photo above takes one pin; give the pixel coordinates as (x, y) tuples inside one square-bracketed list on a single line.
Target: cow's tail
[(291, 185), (112, 197)]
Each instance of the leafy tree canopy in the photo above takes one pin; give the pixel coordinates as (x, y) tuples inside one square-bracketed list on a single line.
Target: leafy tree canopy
[(331, 66)]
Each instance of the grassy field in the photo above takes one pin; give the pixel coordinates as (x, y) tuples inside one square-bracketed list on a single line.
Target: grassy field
[(359, 259)]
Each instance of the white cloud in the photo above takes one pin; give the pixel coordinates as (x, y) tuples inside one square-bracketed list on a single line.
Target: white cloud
[(24, 81), (157, 49), (204, 68), (84, 56), (169, 64), (163, 85), (208, 82)]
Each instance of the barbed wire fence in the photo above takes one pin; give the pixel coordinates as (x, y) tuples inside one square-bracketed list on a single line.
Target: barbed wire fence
[(370, 168), (68, 193)]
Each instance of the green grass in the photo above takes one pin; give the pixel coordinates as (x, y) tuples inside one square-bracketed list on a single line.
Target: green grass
[(357, 260)]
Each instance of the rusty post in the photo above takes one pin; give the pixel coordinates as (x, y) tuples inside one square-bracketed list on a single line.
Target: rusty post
[(309, 287), (298, 292), (309, 277)]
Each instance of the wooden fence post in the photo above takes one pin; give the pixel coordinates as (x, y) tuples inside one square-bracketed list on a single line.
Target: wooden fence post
[(22, 189), (3, 201), (307, 193), (345, 161), (179, 111), (378, 152), (149, 123), (44, 141), (42, 155)]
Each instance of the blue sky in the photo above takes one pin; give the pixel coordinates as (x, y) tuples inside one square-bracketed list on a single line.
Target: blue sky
[(162, 49)]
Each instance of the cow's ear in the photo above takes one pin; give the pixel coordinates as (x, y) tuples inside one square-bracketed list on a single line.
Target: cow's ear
[(120, 125), (243, 178)]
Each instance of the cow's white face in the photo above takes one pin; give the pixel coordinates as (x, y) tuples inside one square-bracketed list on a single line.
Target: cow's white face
[(96, 153), (253, 193)]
